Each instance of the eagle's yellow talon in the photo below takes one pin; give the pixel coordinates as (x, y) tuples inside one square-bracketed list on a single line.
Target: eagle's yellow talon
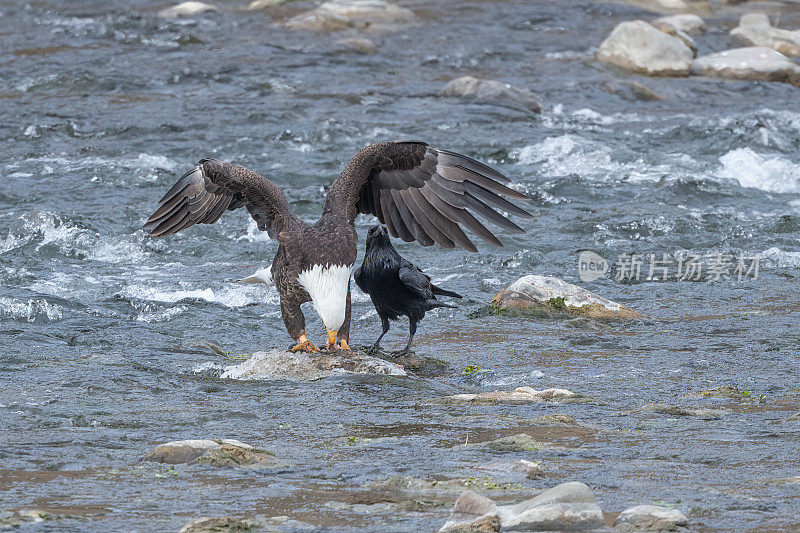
[(331, 345), (344, 345), (304, 345)]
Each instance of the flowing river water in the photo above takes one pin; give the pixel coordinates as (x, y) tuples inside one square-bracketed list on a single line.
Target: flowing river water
[(106, 332)]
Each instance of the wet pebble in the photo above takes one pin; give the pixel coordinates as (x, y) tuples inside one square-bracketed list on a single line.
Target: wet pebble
[(473, 512), (186, 9)]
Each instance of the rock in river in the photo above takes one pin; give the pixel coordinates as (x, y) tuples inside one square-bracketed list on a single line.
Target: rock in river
[(752, 63), (640, 47), (492, 91), (218, 524), (281, 364), (473, 512), (650, 518), (186, 9), (547, 295), (687, 23), (518, 395), (755, 30), (217, 452), (566, 507), (371, 15)]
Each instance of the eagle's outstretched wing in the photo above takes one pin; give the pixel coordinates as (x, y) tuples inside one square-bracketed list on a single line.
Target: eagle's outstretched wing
[(425, 194), (205, 192)]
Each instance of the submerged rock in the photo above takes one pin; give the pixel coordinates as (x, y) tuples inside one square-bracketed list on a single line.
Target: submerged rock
[(208, 524), (518, 395), (263, 4), (566, 507), (336, 15), (521, 442), (631, 90), (753, 63), (529, 469), (650, 518), (547, 295), (687, 23), (640, 47), (281, 364), (217, 452), (262, 275), (473, 512), (492, 91), (755, 30), (359, 45), (706, 413), (186, 9), (22, 517)]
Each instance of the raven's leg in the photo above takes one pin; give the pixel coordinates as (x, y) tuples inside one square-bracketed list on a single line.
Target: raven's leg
[(412, 328), (377, 345), (296, 325)]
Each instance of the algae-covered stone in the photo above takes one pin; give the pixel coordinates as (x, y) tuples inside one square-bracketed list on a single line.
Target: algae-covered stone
[(640, 47), (473, 512), (219, 524), (547, 295), (217, 452), (492, 91), (566, 507), (300, 366)]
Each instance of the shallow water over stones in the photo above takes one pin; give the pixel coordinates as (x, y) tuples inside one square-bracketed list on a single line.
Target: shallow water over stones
[(109, 336)]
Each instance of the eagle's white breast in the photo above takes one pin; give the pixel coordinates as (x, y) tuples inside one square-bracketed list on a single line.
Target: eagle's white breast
[(327, 286)]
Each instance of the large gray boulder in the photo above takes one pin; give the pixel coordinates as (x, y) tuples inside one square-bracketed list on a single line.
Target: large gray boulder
[(640, 47), (492, 91), (542, 295), (752, 63), (650, 518), (300, 366), (371, 15), (755, 30), (473, 512), (566, 507), (686, 22)]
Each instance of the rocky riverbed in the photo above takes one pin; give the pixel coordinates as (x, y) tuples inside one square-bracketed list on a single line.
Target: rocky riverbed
[(146, 388)]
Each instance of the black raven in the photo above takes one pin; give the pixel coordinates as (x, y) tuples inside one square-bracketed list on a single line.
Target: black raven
[(396, 286)]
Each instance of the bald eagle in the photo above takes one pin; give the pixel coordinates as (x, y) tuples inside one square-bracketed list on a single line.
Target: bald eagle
[(421, 193)]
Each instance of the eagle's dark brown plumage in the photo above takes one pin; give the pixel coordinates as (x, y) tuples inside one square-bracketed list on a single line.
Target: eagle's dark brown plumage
[(419, 192)]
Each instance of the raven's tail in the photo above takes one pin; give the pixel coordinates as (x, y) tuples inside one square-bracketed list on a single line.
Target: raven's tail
[(432, 304), (444, 292)]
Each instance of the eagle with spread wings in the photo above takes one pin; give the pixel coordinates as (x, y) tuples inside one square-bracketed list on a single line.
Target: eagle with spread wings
[(421, 193)]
